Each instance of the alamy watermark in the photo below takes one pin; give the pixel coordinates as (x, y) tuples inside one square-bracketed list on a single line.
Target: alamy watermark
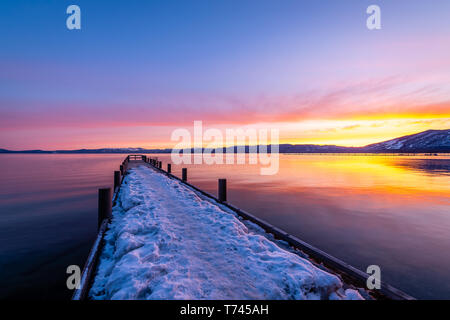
[(374, 279), (374, 20), (74, 278), (73, 22), (231, 146)]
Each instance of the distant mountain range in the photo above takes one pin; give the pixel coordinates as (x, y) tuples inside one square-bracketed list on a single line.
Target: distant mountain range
[(427, 141), (430, 141)]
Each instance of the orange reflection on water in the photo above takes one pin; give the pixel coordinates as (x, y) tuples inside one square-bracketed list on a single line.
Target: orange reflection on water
[(380, 174)]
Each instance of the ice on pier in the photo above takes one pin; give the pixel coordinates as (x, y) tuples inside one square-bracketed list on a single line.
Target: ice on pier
[(167, 241)]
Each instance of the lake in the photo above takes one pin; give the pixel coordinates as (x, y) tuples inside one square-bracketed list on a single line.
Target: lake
[(391, 211)]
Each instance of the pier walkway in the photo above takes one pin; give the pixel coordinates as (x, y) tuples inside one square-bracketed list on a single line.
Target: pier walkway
[(166, 239)]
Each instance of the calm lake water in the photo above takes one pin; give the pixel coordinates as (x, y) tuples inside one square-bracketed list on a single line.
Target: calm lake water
[(390, 211)]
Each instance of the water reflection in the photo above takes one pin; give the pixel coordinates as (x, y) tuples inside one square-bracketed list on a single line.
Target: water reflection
[(48, 209), (389, 211), (428, 166)]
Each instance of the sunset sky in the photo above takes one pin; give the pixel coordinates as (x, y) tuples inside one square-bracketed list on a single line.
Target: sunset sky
[(137, 70)]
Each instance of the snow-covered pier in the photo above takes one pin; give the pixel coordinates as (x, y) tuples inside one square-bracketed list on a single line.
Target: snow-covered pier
[(166, 239)]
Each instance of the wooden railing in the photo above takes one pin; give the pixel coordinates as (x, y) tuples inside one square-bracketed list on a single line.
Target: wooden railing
[(136, 157)]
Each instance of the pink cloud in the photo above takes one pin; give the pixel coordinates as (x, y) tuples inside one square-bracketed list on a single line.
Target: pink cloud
[(392, 95)]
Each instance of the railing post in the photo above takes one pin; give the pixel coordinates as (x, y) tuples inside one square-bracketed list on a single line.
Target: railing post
[(222, 190), (169, 168), (104, 205), (116, 179), (121, 170), (184, 174)]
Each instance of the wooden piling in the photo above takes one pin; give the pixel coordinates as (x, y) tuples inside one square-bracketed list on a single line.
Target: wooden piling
[(222, 190), (169, 168), (116, 179), (184, 174), (104, 205), (160, 165)]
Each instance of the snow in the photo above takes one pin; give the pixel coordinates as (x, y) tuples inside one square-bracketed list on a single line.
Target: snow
[(430, 139), (394, 144), (167, 241)]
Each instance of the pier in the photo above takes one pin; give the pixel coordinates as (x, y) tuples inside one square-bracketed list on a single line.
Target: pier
[(322, 267)]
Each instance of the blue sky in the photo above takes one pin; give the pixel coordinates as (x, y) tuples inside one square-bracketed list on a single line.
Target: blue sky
[(171, 62)]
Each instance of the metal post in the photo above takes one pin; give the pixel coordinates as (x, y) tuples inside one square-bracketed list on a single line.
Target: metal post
[(184, 174), (104, 205), (169, 168), (116, 179), (222, 190)]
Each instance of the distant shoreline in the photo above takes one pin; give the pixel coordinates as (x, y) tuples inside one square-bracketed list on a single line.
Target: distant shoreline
[(430, 141)]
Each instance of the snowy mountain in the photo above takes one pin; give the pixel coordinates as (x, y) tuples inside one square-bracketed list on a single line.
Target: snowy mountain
[(427, 141)]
